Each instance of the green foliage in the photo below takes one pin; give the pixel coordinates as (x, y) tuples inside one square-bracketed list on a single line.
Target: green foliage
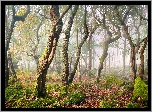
[(14, 95), (63, 91), (112, 80), (140, 90), (40, 103), (108, 104), (129, 86), (105, 104), (76, 97), (13, 91), (132, 105), (67, 95)]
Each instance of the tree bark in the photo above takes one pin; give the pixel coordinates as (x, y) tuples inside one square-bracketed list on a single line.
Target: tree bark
[(10, 65), (8, 38), (65, 47), (49, 52), (105, 50), (102, 58), (124, 55), (90, 54), (79, 49), (141, 67)]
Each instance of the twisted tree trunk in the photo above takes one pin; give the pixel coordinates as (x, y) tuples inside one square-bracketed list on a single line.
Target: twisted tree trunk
[(65, 48), (105, 50), (8, 38), (79, 49), (49, 52), (141, 67)]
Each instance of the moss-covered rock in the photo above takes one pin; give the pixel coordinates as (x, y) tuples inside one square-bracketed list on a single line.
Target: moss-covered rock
[(140, 90)]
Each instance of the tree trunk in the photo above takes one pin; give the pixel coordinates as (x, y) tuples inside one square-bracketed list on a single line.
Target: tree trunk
[(132, 61), (90, 54), (77, 45), (124, 55), (79, 49), (105, 50), (102, 58), (105, 65), (10, 65), (8, 38), (109, 62), (141, 67), (65, 47), (49, 52)]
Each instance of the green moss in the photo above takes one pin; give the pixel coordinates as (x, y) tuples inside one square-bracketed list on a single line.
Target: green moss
[(44, 53), (132, 105), (140, 90), (101, 58), (105, 104), (108, 104)]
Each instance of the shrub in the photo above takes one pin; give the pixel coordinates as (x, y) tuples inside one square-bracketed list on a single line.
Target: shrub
[(140, 90)]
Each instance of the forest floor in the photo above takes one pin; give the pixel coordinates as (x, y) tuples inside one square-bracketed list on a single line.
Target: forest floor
[(111, 92)]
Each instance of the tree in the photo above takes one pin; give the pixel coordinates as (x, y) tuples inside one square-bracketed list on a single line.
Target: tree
[(79, 48), (65, 47), (48, 54), (133, 46), (15, 18), (35, 47), (141, 67), (109, 38)]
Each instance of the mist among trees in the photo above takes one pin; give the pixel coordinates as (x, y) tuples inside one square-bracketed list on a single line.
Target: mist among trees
[(76, 56)]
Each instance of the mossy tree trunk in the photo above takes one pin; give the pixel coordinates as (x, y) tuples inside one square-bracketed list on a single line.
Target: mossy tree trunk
[(105, 50), (11, 67), (79, 48), (78, 71), (65, 47), (49, 52), (127, 35), (133, 53), (141, 67), (90, 54), (8, 38), (132, 61), (124, 55), (102, 58)]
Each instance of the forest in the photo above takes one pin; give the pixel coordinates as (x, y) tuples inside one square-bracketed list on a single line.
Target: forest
[(76, 56)]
